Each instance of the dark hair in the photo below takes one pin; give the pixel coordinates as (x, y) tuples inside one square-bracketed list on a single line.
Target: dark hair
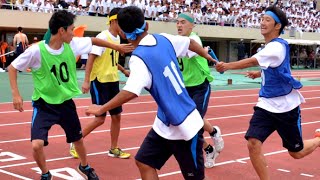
[(61, 19), (281, 15), (114, 11), (130, 18), (20, 29)]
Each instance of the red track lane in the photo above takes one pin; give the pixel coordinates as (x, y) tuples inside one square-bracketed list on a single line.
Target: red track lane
[(130, 139)]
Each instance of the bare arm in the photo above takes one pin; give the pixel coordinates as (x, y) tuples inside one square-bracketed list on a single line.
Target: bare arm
[(17, 99), (122, 48), (26, 40), (123, 70), (197, 48), (89, 65), (15, 42), (121, 98), (245, 63)]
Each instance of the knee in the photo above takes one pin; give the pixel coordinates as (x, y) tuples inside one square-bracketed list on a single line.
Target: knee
[(142, 166), (37, 145), (100, 120), (296, 155), (254, 145), (79, 142)]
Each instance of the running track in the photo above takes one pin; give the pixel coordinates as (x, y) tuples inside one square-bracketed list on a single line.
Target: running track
[(231, 110)]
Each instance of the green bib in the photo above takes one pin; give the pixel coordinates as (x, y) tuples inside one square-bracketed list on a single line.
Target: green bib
[(56, 80), (196, 69)]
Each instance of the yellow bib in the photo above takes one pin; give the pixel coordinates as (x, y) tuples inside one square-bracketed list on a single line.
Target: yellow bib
[(105, 67)]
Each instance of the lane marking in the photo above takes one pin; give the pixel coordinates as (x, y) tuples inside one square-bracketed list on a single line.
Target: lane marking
[(14, 175), (284, 170)]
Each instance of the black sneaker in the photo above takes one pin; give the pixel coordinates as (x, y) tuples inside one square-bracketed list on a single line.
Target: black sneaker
[(46, 176), (88, 172)]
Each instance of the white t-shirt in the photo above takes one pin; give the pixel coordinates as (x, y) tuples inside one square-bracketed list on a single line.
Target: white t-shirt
[(272, 55), (97, 50), (140, 78), (31, 58)]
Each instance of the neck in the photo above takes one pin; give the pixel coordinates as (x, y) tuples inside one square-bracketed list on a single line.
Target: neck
[(139, 38), (55, 42), (269, 37), (113, 32)]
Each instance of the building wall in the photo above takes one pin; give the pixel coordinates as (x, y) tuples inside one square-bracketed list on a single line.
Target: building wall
[(224, 37)]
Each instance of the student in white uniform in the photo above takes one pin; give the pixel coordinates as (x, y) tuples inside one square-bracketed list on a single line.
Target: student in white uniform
[(178, 126), (278, 107)]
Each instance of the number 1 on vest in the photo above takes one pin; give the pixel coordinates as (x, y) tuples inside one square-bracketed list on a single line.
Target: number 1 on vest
[(173, 79)]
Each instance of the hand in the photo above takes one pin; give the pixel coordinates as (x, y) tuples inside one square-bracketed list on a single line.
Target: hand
[(85, 87), (126, 73), (125, 48), (221, 66), (94, 110), (253, 74), (206, 48), (18, 103)]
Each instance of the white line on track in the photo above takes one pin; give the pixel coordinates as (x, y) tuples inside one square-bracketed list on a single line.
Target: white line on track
[(14, 175)]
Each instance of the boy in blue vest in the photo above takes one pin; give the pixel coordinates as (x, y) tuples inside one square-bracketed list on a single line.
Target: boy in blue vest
[(278, 107), (178, 126)]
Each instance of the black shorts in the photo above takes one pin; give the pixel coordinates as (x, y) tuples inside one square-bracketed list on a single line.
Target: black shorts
[(155, 151), (288, 125), (101, 93), (200, 95), (46, 115)]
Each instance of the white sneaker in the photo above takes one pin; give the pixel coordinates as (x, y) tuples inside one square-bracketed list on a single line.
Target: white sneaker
[(217, 139), (210, 158), (2, 70)]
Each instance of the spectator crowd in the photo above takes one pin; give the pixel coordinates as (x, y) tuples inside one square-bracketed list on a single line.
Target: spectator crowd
[(303, 14)]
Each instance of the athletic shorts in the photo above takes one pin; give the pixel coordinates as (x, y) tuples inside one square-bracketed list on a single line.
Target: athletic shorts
[(200, 95), (101, 93), (46, 115), (288, 126), (155, 151)]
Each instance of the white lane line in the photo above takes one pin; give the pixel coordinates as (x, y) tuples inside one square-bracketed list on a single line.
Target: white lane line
[(308, 175), (147, 112), (14, 175), (147, 126), (148, 102), (284, 170)]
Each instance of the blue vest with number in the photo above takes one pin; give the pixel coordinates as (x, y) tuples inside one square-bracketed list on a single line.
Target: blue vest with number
[(278, 80), (168, 90)]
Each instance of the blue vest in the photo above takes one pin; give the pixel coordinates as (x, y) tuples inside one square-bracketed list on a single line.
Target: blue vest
[(168, 90), (278, 81)]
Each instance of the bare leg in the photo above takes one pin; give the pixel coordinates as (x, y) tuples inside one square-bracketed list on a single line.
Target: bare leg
[(115, 130), (38, 155), (81, 150), (257, 158), (207, 127), (147, 172), (98, 121), (309, 146)]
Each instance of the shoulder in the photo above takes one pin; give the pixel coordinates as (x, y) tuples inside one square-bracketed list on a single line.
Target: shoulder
[(102, 35)]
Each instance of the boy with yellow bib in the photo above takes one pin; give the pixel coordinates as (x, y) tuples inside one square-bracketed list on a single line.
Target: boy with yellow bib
[(102, 72)]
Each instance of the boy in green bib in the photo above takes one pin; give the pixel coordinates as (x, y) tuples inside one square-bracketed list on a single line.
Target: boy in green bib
[(197, 78), (55, 84)]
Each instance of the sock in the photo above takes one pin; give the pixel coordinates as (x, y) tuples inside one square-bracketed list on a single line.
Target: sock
[(84, 167), (208, 149), (213, 132), (45, 174)]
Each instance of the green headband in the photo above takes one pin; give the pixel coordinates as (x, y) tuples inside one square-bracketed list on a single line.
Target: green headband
[(186, 17)]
